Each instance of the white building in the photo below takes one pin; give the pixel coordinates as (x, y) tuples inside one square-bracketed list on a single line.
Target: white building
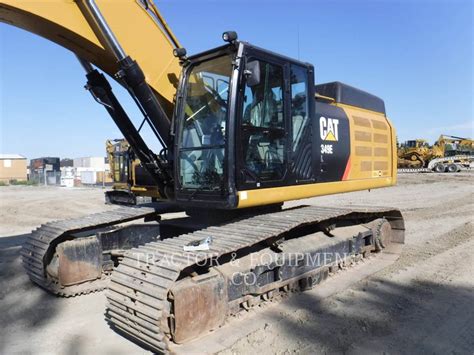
[(88, 169), (91, 163)]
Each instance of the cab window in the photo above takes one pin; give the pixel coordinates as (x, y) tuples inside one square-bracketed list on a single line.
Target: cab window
[(263, 126), (299, 105)]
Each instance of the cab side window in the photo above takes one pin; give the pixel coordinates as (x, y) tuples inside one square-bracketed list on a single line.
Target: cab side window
[(263, 126), (299, 104), (263, 103)]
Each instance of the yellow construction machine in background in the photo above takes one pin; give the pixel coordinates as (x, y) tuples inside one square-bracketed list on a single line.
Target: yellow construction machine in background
[(447, 154), (132, 184)]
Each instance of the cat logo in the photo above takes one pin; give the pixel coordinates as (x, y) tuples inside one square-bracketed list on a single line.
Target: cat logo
[(328, 129)]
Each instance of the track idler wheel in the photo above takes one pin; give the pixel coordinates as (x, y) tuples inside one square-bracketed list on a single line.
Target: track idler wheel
[(382, 231)]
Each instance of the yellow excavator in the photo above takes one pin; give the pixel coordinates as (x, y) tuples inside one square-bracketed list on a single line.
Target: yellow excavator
[(448, 146), (132, 184), (242, 131)]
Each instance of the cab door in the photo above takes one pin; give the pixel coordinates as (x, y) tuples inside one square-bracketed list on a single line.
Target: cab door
[(262, 131)]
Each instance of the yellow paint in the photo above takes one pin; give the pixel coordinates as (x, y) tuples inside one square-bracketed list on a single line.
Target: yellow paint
[(330, 137), (61, 21), (149, 191), (260, 197), (394, 153), (322, 97), (379, 114), (366, 129)]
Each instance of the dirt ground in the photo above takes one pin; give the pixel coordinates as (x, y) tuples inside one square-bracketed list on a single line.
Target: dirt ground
[(423, 303)]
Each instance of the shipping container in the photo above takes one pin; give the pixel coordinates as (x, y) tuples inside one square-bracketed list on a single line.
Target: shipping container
[(88, 177)]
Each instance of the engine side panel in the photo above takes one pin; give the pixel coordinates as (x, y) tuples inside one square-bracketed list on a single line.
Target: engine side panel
[(372, 147), (351, 149)]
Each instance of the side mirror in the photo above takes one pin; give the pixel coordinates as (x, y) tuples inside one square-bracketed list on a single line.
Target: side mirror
[(252, 73)]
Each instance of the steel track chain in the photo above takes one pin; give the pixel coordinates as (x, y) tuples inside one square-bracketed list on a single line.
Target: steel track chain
[(42, 241), (137, 295)]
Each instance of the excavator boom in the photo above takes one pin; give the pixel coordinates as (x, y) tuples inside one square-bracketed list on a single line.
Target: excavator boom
[(117, 47), (144, 36)]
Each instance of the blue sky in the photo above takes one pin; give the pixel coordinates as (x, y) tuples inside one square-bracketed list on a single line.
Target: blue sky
[(416, 55)]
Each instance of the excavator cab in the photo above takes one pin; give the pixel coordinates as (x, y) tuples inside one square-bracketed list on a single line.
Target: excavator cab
[(234, 109)]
